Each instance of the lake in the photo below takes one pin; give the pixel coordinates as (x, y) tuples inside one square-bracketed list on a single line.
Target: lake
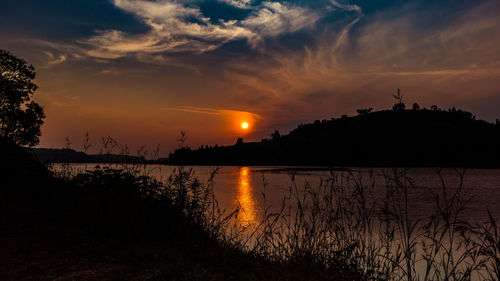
[(245, 186)]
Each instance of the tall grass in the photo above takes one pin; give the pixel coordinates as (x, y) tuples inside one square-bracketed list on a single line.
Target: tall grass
[(347, 224), (109, 148)]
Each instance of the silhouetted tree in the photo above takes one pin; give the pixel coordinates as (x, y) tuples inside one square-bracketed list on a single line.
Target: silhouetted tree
[(20, 117), (276, 135), (239, 141), (434, 107), (182, 140), (364, 111), (399, 105), (415, 106)]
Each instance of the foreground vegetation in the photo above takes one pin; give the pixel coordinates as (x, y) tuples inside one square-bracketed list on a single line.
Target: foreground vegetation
[(109, 224)]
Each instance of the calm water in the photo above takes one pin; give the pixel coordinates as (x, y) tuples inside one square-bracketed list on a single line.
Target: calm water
[(245, 186)]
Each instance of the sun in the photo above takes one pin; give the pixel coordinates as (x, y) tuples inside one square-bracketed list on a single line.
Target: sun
[(244, 125)]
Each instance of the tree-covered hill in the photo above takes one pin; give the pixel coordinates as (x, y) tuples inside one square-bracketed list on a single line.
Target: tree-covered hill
[(395, 137)]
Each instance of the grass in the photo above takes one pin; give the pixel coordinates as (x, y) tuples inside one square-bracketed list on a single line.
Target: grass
[(347, 224)]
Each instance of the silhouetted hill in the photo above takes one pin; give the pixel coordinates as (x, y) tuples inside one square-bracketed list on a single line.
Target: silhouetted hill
[(65, 155), (383, 138)]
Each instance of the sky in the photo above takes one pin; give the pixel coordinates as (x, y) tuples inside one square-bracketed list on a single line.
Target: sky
[(142, 71)]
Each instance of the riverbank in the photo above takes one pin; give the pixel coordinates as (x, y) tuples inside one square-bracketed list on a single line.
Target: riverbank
[(111, 224)]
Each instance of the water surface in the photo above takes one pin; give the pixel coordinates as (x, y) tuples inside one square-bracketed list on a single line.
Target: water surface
[(252, 189)]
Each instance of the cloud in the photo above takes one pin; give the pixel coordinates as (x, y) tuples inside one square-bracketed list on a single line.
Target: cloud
[(171, 30), (165, 60), (348, 7), (55, 60), (274, 18), (401, 43), (175, 27), (53, 53), (212, 111), (242, 4), (193, 109)]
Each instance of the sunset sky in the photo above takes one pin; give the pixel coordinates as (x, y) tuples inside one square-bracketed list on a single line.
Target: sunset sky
[(142, 71)]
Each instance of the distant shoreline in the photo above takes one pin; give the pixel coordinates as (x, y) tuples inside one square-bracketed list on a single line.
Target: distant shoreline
[(287, 168)]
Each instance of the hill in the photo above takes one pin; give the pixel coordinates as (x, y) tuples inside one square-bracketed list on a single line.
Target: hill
[(383, 138), (66, 155)]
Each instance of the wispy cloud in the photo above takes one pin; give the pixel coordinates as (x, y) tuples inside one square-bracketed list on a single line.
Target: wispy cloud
[(348, 7), (242, 4), (193, 109), (55, 60), (274, 18), (172, 28), (211, 111), (55, 53)]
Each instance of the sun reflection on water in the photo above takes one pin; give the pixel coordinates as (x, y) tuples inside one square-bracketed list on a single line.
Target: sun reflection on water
[(247, 217)]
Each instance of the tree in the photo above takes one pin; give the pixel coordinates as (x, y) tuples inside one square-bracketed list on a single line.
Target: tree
[(276, 135), (20, 117), (415, 106), (399, 105), (364, 111)]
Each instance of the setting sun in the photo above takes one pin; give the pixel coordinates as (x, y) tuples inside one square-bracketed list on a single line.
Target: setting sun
[(244, 125)]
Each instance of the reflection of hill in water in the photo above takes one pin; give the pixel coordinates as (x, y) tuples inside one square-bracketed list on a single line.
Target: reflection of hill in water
[(299, 170), (383, 138)]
